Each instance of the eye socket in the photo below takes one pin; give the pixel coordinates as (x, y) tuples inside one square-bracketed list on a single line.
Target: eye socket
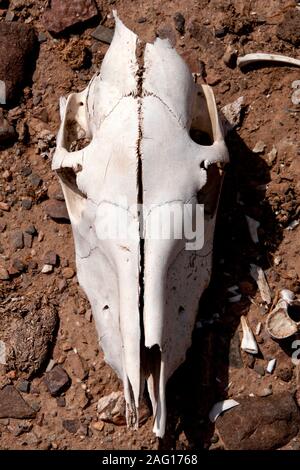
[(200, 137), (75, 136), (69, 178)]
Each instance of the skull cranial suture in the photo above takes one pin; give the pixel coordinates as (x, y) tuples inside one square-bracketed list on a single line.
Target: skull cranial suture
[(132, 140)]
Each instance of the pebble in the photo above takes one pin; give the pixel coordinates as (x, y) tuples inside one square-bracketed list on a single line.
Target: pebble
[(56, 209), (51, 258), (35, 180), (27, 204), (17, 266), (17, 240), (2, 228), (4, 207), (179, 21), (259, 369), (98, 426), (12, 405), (103, 34), (71, 425), (61, 402), (57, 380), (23, 386), (259, 147), (47, 269), (28, 240), (265, 392), (31, 230), (230, 56), (68, 273), (4, 275)]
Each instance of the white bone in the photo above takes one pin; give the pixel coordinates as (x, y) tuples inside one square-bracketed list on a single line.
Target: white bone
[(144, 292), (220, 407), (262, 57), (248, 343), (259, 276)]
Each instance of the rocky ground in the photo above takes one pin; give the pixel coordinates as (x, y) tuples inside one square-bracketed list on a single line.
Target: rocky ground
[(54, 373)]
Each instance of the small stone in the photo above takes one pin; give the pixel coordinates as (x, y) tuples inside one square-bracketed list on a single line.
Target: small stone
[(142, 19), (47, 269), (259, 147), (31, 230), (88, 315), (4, 207), (4, 275), (179, 21), (111, 408), (42, 37), (7, 175), (221, 32), (103, 34), (35, 180), (63, 14), (71, 425), (212, 78), (77, 366), (271, 156), (17, 240), (230, 56), (51, 258), (68, 273), (2, 227), (40, 236), (259, 369), (62, 285), (27, 204), (26, 171), (17, 266), (265, 392), (12, 405), (28, 240), (57, 380), (23, 386), (9, 16), (98, 426), (56, 209), (61, 402), (32, 265)]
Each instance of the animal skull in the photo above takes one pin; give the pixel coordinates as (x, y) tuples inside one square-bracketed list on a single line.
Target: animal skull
[(138, 164)]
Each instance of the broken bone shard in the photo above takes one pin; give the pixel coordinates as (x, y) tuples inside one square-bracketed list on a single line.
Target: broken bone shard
[(220, 407), (262, 284), (248, 343), (262, 57), (144, 291)]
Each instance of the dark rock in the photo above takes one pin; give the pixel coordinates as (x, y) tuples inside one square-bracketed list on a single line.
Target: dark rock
[(141, 20), (259, 423), (27, 204), (71, 425), (63, 14), (17, 240), (23, 386), (42, 37), (57, 380), (179, 21), (51, 258), (28, 240), (18, 266), (61, 402), (18, 51), (103, 34), (26, 171), (12, 405), (31, 230), (56, 209), (35, 180), (289, 29), (221, 32)]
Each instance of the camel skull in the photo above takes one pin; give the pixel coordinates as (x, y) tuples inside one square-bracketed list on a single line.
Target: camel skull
[(126, 152)]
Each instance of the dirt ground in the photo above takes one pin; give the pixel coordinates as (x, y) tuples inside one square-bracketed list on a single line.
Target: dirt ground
[(46, 316)]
